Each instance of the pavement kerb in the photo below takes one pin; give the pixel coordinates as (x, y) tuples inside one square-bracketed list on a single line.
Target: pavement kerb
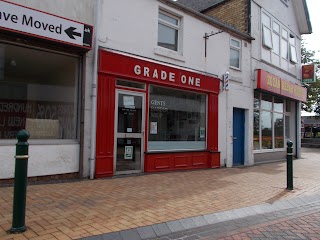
[(167, 228)]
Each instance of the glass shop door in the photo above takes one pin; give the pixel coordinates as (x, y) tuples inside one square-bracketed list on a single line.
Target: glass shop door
[(130, 115)]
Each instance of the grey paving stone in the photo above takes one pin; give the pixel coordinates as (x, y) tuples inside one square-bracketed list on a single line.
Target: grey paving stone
[(131, 234), (249, 211), (200, 221), (112, 236), (175, 226), (287, 204), (222, 216), (146, 232), (211, 218), (161, 229), (179, 235), (98, 237), (240, 213), (190, 238), (279, 205), (259, 209), (188, 223)]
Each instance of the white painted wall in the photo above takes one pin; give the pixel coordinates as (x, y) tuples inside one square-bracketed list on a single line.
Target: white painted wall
[(57, 157), (44, 160), (285, 15)]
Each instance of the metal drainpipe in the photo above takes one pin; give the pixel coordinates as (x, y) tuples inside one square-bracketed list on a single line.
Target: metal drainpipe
[(92, 159)]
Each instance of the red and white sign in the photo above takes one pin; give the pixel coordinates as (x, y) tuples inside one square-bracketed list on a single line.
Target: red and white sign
[(150, 71), (309, 73), (17, 18), (271, 83)]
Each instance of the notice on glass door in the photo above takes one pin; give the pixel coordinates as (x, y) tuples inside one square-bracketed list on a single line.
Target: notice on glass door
[(128, 102), (153, 127), (128, 152)]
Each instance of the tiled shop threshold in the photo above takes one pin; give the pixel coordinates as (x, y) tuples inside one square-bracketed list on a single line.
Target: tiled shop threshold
[(177, 226)]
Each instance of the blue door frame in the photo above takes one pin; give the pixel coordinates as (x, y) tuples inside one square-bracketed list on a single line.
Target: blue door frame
[(238, 136)]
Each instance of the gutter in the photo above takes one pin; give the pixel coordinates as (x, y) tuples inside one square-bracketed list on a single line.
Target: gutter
[(92, 160)]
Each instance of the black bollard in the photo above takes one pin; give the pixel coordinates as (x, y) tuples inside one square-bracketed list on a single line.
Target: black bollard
[(20, 183), (289, 166)]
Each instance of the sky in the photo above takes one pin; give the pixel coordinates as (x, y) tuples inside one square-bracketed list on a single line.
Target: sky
[(312, 41)]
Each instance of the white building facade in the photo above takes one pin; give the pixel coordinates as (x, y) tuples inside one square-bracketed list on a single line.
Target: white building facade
[(46, 75), (277, 27)]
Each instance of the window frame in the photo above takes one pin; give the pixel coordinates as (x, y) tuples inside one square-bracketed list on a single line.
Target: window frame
[(273, 113), (78, 97), (266, 42), (149, 121), (171, 26), (235, 48)]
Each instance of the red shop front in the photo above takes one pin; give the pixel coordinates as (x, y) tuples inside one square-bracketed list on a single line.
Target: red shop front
[(153, 117)]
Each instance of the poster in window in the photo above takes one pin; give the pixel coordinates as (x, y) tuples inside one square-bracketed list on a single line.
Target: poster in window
[(202, 132), (128, 152), (153, 127), (128, 102)]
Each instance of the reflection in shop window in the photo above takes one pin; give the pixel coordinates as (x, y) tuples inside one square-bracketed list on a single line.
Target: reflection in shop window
[(256, 130), (278, 130), (266, 129), (38, 92), (177, 120)]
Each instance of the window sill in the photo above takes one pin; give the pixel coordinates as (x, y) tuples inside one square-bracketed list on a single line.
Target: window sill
[(235, 68), (269, 150), (12, 142), (169, 54)]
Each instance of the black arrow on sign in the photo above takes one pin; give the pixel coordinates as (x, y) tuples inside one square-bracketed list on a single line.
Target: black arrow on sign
[(71, 33)]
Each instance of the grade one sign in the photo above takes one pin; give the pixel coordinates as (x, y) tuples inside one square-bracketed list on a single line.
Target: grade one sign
[(153, 72), (16, 18)]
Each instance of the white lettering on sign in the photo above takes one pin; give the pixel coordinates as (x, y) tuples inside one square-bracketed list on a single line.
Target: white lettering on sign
[(166, 76), (18, 18)]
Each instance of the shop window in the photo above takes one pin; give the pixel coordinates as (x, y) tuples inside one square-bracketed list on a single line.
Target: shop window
[(235, 50), (266, 129), (256, 130), (39, 92), (177, 120), (168, 31), (268, 122), (278, 130)]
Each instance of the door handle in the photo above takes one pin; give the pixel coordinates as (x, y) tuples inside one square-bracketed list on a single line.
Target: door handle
[(235, 138)]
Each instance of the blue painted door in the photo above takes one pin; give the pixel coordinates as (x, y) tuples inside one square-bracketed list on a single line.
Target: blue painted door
[(238, 136)]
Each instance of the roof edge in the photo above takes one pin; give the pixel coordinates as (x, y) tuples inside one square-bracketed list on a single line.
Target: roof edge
[(210, 20)]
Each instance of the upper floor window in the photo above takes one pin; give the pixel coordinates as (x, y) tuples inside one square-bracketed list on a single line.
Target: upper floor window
[(235, 53), (266, 31), (278, 43), (168, 31), (292, 49)]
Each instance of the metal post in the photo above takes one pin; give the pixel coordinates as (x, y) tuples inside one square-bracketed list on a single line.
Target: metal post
[(20, 183), (289, 166)]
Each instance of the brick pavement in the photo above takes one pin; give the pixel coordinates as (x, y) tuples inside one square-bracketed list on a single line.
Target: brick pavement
[(300, 222), (81, 209)]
